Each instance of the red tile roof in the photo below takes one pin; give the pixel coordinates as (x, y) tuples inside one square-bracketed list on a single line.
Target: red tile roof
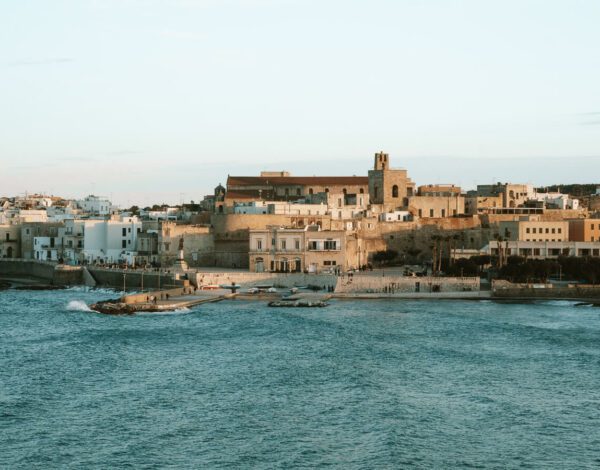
[(297, 180)]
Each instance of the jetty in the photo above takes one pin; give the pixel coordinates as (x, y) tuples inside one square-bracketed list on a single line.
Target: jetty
[(161, 300)]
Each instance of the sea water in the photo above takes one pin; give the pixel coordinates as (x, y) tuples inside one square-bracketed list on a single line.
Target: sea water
[(364, 384)]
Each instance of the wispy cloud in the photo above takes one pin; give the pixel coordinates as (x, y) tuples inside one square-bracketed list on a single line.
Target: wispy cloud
[(176, 34), (49, 61), (589, 119)]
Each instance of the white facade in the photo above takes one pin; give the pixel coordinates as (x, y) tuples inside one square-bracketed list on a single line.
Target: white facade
[(542, 250), (31, 215), (396, 216), (95, 205), (561, 201), (47, 248), (109, 241)]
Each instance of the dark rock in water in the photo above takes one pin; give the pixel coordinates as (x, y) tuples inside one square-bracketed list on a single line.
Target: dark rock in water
[(113, 307), (116, 307), (5, 285)]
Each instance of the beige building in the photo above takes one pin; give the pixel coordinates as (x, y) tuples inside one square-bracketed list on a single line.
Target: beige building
[(281, 186), (513, 195), (543, 250), (430, 207), (475, 205), (10, 241), (533, 230), (584, 230), (198, 244), (389, 188), (310, 250)]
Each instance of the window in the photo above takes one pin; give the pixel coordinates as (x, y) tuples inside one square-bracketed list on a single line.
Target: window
[(7, 237), (27, 231), (123, 243), (443, 212), (312, 245), (420, 213), (395, 190), (553, 230), (330, 245), (340, 202), (527, 230), (430, 212), (310, 191), (376, 192), (297, 244), (259, 244), (129, 229), (283, 244), (272, 242), (361, 191), (559, 230), (124, 232), (298, 192), (547, 230)]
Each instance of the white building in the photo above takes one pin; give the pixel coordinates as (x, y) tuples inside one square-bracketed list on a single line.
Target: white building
[(99, 241), (557, 200), (542, 250), (396, 216), (95, 205), (109, 241), (47, 248)]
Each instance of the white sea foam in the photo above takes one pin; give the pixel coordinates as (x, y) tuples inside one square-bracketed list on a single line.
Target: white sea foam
[(78, 306), (167, 312)]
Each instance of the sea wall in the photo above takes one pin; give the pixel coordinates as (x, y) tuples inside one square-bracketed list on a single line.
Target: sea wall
[(506, 290), (133, 279), (247, 279), (371, 284), (59, 275), (160, 295)]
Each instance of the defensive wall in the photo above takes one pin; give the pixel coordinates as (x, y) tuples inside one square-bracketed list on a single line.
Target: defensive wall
[(283, 280), (133, 279), (374, 284), (507, 290), (58, 275)]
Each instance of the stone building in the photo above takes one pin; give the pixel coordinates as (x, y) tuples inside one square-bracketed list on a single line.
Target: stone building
[(534, 230), (283, 187), (10, 241), (198, 244), (310, 250), (389, 188), (584, 230)]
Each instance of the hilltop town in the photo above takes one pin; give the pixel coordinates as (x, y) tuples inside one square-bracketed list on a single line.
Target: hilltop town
[(280, 223)]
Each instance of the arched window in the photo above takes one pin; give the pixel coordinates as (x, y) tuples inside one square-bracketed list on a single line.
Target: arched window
[(376, 192), (345, 191), (310, 191), (362, 190), (395, 190), (326, 190)]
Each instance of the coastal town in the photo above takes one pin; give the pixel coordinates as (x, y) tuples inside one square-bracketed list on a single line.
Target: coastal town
[(279, 224)]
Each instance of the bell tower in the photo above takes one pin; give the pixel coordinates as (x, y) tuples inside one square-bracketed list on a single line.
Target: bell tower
[(389, 188), (381, 161)]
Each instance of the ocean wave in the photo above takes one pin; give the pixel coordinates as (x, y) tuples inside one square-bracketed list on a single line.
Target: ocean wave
[(78, 306)]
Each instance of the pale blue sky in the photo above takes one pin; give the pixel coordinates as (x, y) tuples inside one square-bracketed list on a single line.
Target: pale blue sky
[(150, 99)]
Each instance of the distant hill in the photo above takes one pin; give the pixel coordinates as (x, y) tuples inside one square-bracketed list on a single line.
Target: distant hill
[(577, 190)]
